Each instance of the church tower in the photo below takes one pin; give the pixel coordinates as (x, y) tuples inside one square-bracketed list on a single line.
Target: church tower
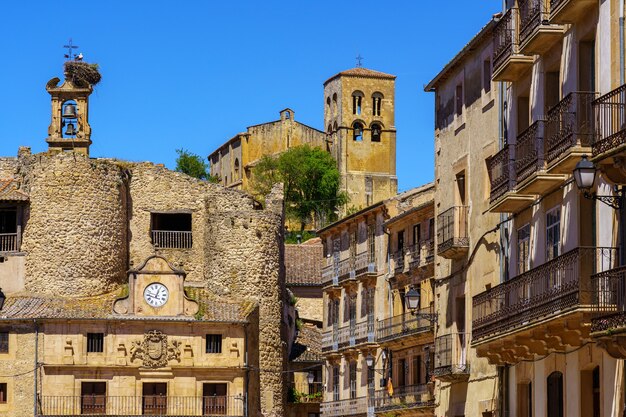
[(359, 116), (69, 129)]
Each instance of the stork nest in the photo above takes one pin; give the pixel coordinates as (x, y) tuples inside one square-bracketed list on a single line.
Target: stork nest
[(82, 74)]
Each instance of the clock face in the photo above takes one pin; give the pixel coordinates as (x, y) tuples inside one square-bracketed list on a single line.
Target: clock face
[(156, 294)]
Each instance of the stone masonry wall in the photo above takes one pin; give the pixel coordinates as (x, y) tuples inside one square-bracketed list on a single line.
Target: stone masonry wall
[(16, 370), (75, 236)]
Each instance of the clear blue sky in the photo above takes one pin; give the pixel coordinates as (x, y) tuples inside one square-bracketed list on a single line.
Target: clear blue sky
[(192, 74)]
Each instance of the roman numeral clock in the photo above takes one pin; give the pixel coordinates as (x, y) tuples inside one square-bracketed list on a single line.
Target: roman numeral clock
[(156, 288)]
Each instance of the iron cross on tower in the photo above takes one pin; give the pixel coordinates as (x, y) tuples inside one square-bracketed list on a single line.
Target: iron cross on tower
[(359, 60), (70, 53)]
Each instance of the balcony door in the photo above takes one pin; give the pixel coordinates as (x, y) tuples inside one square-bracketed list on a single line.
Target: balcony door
[(154, 401), (93, 398), (214, 400)]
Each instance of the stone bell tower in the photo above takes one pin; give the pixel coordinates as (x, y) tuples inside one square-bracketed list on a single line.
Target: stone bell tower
[(69, 129)]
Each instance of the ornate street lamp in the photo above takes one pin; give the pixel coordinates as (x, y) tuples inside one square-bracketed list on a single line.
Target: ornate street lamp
[(585, 176)]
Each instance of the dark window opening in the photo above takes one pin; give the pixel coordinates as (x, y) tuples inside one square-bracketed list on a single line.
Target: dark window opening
[(377, 100), (335, 383), (93, 398), (8, 230), (4, 342), (171, 230), (487, 75), (459, 100), (214, 400), (376, 130), (213, 343), (555, 394), (358, 132), (3, 393), (95, 342), (401, 372), (154, 401), (352, 380)]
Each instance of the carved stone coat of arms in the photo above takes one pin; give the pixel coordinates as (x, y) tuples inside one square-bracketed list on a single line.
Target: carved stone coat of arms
[(154, 350)]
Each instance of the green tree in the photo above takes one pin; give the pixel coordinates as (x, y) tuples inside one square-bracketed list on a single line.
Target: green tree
[(193, 165), (311, 180)]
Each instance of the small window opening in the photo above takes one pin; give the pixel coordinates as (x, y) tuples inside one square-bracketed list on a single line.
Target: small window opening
[(377, 100), (213, 343), (376, 132), (95, 342), (487, 75), (357, 102), (237, 168), (287, 115), (171, 230), (3, 393), (459, 99), (358, 132), (4, 342)]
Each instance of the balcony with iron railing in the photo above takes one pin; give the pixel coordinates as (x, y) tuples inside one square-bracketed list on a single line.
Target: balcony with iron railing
[(398, 259), (452, 232), (530, 167), (405, 397), (609, 124), (537, 35), (365, 265), (9, 242), (608, 325), (348, 336), (508, 63), (421, 254), (349, 407), (569, 11), (345, 269), (407, 328), (569, 132), (169, 239), (330, 275), (503, 198), (451, 357), (146, 405), (538, 308)]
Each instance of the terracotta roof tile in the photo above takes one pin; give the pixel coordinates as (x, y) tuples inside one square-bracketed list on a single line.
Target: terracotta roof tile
[(9, 191), (303, 263), (308, 345)]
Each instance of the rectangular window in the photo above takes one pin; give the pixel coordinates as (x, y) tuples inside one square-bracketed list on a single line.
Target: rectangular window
[(214, 400), (371, 240), (431, 228), (335, 383), (93, 398), (417, 233), (352, 380), (401, 372), (3, 393), (459, 100), (523, 249), (553, 233), (154, 400), (400, 240), (95, 342), (353, 242), (487, 75), (4, 342), (213, 343), (417, 370), (171, 230)]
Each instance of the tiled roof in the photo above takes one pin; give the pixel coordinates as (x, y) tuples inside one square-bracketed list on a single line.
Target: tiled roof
[(100, 307), (303, 263), (9, 191), (362, 72), (308, 345)]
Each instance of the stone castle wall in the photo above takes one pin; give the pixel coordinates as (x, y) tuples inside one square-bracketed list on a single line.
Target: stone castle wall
[(17, 367)]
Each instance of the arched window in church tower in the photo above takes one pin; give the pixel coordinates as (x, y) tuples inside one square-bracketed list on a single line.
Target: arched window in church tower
[(377, 99), (358, 131), (357, 102), (376, 130), (236, 169), (334, 110)]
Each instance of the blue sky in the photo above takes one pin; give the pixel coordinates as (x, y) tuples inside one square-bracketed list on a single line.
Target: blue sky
[(192, 74)]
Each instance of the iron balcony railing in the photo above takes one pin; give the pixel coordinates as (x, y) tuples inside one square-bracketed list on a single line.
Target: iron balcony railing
[(168, 239), (452, 228), (529, 151), (451, 354), (398, 258), (533, 13), (345, 269), (569, 124), (364, 263), (161, 405), (305, 393), (421, 253), (349, 335), (329, 273), (505, 37), (341, 408), (609, 299), (609, 118), (553, 288), (404, 397), (406, 324), (500, 173), (8, 242)]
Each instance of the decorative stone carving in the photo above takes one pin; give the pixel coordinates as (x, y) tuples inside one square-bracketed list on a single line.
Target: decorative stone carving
[(154, 350)]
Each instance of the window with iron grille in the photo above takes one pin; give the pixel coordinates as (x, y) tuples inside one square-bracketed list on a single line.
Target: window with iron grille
[(95, 342), (335, 383), (213, 343), (352, 380), (4, 342), (3, 393)]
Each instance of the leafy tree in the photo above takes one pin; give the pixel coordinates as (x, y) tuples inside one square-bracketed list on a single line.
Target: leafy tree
[(193, 165), (311, 181)]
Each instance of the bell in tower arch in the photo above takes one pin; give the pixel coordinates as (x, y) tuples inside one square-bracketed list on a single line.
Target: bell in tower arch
[(69, 111)]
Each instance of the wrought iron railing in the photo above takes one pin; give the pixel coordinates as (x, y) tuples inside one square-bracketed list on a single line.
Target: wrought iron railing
[(421, 253), (407, 396), (532, 14), (404, 325), (452, 228), (302, 392), (345, 269), (398, 258), (364, 263), (168, 239), (451, 354), (529, 151), (329, 275), (609, 299), (8, 242), (341, 408), (609, 121), (569, 124), (500, 173), (161, 405), (505, 37), (553, 288)]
